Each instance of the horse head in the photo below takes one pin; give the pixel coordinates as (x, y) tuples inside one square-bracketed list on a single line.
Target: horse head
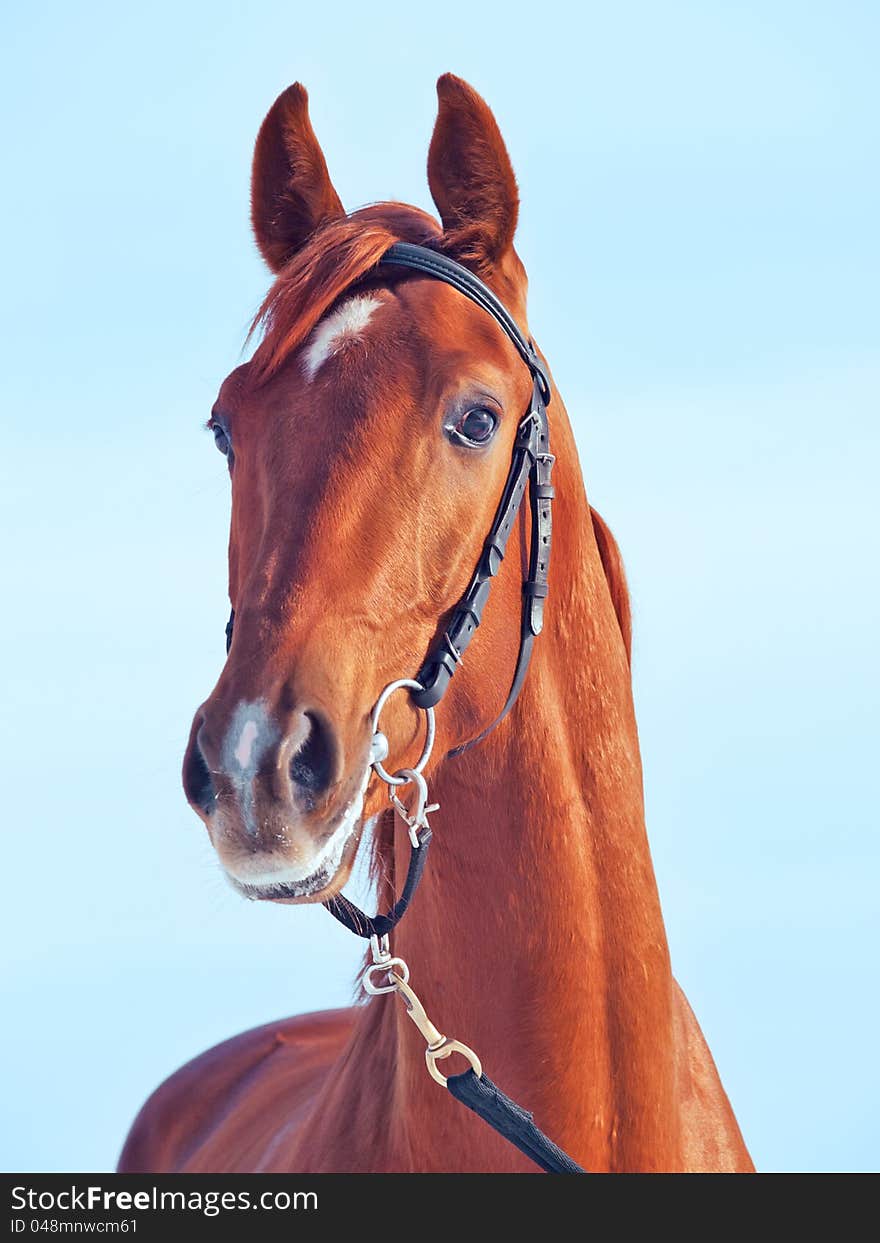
[(368, 441)]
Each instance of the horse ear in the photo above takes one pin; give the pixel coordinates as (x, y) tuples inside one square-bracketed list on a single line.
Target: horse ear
[(471, 177), (291, 191)]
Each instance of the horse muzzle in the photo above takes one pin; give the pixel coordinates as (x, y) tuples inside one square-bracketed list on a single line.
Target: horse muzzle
[(282, 807)]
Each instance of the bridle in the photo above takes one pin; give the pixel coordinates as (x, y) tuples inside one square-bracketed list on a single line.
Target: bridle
[(530, 467), (532, 463)]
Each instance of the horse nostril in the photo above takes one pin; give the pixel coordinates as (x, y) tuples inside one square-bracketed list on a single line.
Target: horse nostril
[(198, 784), (311, 768)]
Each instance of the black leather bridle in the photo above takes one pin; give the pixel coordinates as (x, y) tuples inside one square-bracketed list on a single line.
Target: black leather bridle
[(531, 465)]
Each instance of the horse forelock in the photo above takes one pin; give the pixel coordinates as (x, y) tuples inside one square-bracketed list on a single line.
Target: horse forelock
[(338, 256)]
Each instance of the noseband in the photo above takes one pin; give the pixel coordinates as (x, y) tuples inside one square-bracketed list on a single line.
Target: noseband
[(531, 464)]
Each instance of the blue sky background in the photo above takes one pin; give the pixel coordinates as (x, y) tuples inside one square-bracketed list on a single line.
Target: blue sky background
[(699, 220)]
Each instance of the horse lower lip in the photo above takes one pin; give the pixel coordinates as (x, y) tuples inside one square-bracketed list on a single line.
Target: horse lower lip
[(288, 883), (285, 892)]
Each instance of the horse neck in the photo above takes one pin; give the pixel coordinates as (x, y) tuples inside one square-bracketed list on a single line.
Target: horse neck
[(536, 936)]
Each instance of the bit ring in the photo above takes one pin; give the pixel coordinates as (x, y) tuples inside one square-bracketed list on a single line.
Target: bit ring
[(430, 728)]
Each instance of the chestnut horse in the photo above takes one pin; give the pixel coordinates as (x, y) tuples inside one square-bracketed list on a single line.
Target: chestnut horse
[(368, 441)]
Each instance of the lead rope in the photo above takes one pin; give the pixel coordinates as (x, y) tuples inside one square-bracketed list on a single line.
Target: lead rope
[(388, 973)]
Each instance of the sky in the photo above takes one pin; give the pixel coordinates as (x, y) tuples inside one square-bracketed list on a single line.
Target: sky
[(699, 189)]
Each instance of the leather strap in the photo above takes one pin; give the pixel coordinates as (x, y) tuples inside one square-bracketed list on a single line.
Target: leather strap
[(442, 662), (532, 464), (535, 586), (421, 259), (366, 926), (516, 1124)]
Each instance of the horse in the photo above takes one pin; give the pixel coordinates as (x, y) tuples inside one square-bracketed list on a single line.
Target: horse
[(367, 440)]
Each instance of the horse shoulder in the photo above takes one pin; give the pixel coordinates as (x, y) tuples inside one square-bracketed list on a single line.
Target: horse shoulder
[(712, 1139), (242, 1087)]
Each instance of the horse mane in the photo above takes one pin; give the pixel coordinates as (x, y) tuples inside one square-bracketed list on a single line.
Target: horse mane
[(337, 256), (612, 564)]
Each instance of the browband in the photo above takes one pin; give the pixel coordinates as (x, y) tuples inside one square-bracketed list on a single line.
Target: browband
[(420, 258)]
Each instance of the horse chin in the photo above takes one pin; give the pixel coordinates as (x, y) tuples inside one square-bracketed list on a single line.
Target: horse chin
[(317, 881), (288, 887)]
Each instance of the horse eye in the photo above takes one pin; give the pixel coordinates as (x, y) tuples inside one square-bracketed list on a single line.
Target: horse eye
[(475, 427), (221, 439)]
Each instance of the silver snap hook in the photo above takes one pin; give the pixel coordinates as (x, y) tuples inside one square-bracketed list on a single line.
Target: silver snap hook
[(417, 817)]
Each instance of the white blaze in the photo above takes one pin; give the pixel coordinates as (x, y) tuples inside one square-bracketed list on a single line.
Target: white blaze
[(246, 741)]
